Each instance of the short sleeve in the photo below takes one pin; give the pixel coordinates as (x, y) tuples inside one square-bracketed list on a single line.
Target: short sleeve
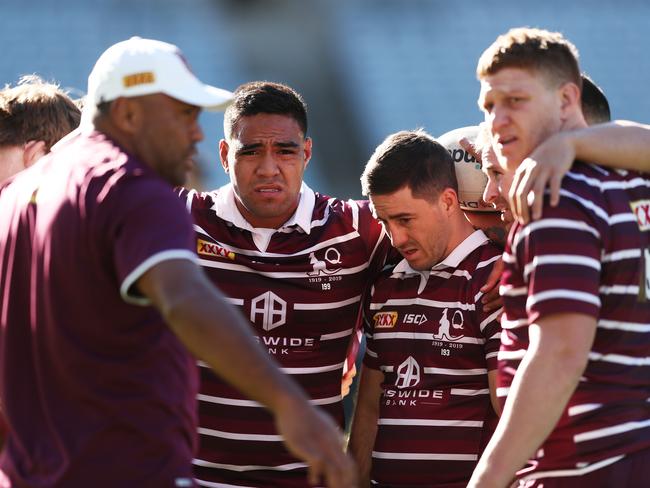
[(147, 224), (558, 258)]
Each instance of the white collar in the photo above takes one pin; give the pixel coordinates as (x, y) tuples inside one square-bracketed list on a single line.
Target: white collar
[(460, 252), (226, 208)]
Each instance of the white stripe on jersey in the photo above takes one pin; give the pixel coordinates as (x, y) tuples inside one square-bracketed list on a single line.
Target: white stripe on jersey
[(571, 472), (250, 403), (511, 355), (241, 468), (490, 355), (273, 274), (503, 391), (609, 185), (238, 436), (560, 259), (627, 326), (487, 262), (462, 273), (336, 335), (554, 224), (423, 336), (508, 258), (580, 409), (619, 359), (561, 293), (511, 291), (212, 484), (370, 353), (467, 392), (354, 207), (609, 431), (620, 255), (490, 318), (455, 372), (235, 301), (414, 456), (619, 290), (250, 252), (431, 422), (622, 218), (326, 305), (317, 369), (423, 302), (513, 324)]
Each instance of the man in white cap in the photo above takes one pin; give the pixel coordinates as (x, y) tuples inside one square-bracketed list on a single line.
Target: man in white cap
[(98, 281)]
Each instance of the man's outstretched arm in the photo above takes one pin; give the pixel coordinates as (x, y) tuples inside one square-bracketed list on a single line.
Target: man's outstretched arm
[(214, 332)]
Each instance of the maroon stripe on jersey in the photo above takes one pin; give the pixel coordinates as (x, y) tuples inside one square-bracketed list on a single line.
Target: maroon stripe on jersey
[(600, 243), (302, 296)]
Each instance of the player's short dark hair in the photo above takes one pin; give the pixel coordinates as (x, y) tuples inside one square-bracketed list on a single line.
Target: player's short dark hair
[(595, 106), (410, 159), (265, 97), (35, 110), (546, 53)]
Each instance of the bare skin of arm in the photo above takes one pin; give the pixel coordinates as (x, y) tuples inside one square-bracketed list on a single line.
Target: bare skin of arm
[(213, 331), (492, 382), (620, 144), (546, 379), (364, 423)]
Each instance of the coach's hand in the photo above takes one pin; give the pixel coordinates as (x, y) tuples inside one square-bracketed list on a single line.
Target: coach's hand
[(313, 436)]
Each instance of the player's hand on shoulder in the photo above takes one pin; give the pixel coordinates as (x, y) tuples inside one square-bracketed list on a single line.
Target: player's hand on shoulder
[(544, 167)]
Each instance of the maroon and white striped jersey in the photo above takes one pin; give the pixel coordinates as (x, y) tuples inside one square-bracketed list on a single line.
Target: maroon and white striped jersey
[(590, 255), (300, 286), (427, 332)]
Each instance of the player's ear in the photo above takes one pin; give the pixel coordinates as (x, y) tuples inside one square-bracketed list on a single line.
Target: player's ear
[(223, 154), (569, 98), (127, 114), (307, 151), (34, 150), (448, 199)]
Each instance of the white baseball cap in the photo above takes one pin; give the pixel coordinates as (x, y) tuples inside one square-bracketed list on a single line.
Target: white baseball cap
[(145, 66)]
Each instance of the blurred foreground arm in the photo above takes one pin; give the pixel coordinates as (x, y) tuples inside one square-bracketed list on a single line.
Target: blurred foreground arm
[(620, 144), (213, 331)]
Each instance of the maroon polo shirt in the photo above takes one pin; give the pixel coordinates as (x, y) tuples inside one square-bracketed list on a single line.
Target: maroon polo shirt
[(96, 389)]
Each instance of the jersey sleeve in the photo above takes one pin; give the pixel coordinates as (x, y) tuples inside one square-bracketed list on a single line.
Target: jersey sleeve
[(147, 224), (554, 263)]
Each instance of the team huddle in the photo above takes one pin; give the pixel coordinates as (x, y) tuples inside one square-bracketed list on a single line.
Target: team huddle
[(153, 335)]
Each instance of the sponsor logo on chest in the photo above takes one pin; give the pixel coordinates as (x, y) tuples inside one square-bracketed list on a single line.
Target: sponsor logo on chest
[(385, 320), (206, 248)]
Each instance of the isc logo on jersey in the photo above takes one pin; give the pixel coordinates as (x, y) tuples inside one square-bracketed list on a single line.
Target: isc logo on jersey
[(206, 248), (385, 320), (641, 210)]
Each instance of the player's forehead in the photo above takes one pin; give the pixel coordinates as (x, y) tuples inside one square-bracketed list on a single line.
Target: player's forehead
[(267, 127), (508, 80)]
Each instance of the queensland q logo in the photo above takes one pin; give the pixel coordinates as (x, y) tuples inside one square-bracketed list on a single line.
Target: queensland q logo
[(408, 373), (332, 257)]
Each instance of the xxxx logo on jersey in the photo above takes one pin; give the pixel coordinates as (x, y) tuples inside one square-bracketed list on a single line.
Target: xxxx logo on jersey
[(385, 320), (206, 248)]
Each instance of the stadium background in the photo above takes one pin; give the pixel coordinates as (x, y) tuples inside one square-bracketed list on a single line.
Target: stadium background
[(365, 67)]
